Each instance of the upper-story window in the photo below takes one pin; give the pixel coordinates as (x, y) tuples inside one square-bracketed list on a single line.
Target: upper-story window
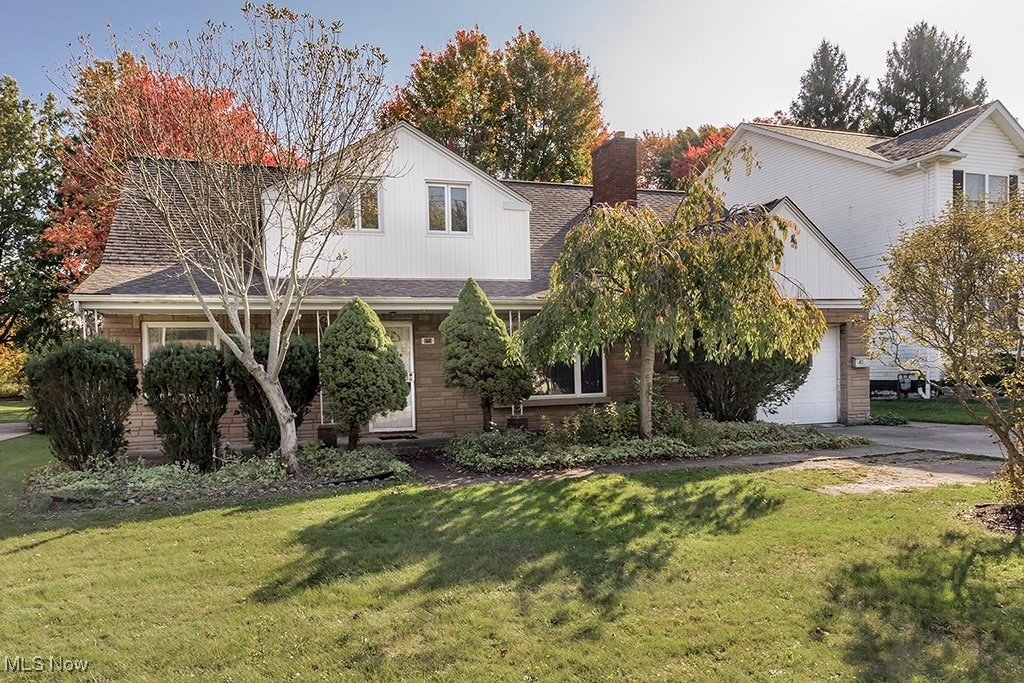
[(979, 188), (447, 208), (359, 212)]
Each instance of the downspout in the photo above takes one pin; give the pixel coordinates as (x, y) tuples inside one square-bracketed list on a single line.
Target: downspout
[(928, 213)]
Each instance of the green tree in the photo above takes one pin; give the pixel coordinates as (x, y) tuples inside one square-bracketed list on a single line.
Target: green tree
[(925, 81), (628, 276), (30, 140), (187, 388), (300, 381), (363, 374), (480, 356), (828, 99), (954, 285), (525, 111)]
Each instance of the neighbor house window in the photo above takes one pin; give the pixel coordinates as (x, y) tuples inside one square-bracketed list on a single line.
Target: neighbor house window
[(447, 208), (583, 377), (359, 212), (155, 335), (979, 188)]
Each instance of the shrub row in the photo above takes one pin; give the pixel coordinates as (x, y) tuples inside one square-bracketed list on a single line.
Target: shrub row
[(516, 450), (83, 392)]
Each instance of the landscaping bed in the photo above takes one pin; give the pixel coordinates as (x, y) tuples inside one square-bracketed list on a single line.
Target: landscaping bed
[(517, 450), (123, 483)]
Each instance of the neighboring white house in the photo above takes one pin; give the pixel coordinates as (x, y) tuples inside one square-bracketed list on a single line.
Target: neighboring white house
[(862, 190)]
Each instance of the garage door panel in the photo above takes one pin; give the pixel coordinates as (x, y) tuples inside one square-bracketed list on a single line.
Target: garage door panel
[(817, 401)]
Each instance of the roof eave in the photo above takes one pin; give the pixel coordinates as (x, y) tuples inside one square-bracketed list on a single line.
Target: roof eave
[(907, 165)]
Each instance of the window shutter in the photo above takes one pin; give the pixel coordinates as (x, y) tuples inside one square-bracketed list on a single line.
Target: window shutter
[(958, 184), (1013, 186)]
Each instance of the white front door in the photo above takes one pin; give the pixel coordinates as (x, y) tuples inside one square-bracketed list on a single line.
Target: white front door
[(400, 420)]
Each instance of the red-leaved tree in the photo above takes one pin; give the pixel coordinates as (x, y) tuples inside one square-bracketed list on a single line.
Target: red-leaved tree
[(150, 105)]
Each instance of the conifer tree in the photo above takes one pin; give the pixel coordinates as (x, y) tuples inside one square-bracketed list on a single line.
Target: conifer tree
[(362, 372), (828, 99), (479, 354)]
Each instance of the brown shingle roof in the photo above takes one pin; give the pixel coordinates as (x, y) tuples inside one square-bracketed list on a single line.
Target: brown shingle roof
[(137, 264), (929, 138)]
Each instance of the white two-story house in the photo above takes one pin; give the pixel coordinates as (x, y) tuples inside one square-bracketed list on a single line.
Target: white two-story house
[(862, 190), (412, 244)]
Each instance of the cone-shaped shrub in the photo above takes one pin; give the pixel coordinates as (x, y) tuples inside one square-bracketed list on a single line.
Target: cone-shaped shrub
[(300, 379), (479, 354), (82, 392), (187, 388), (362, 372)]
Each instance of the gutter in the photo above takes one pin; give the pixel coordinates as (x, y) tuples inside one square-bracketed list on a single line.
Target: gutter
[(188, 304), (907, 165)]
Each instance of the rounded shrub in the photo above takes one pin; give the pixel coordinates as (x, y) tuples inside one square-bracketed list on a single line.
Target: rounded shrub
[(187, 388), (734, 390), (300, 379), (362, 371), (82, 392)]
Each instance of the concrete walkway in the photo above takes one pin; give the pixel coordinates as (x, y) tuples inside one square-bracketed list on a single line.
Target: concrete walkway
[(928, 436), (11, 430)]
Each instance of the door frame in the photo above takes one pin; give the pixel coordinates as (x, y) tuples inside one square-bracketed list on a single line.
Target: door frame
[(411, 377)]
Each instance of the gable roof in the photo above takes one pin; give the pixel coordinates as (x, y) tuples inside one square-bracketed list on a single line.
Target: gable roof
[(933, 138)]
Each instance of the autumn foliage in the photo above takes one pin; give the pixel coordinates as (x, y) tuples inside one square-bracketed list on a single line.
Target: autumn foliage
[(666, 159), (150, 104)]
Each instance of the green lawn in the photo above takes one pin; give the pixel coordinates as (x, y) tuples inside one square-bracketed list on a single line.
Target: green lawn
[(921, 410), (668, 575), (13, 410)]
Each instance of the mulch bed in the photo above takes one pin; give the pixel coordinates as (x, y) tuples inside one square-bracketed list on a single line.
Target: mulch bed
[(1001, 517)]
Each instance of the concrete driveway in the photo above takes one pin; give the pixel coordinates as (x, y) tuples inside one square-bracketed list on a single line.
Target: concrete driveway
[(12, 429), (928, 436)]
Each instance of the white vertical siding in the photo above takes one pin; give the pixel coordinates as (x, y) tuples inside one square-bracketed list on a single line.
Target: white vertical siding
[(496, 247), (811, 267)]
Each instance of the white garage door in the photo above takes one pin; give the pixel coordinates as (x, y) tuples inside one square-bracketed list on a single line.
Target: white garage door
[(817, 401)]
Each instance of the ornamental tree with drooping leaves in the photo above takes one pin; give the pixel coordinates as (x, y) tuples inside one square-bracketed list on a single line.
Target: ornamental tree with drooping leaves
[(363, 373), (480, 356), (629, 276), (954, 285)]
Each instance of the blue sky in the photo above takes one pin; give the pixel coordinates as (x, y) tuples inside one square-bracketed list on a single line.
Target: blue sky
[(661, 64)]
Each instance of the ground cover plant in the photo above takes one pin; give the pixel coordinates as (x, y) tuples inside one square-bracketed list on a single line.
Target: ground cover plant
[(516, 450), (697, 574), (236, 476)]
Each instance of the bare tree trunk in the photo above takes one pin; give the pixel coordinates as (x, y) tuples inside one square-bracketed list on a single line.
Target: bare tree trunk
[(646, 386), (353, 439), (285, 422), (485, 404)]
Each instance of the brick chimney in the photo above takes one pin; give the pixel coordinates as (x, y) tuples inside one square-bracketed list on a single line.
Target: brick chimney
[(614, 164)]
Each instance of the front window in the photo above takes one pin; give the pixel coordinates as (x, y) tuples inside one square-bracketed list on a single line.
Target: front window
[(358, 212), (583, 377), (447, 208), (156, 335)]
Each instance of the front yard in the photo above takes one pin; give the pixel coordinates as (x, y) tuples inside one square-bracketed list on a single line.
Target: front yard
[(942, 409), (702, 574), (13, 410)]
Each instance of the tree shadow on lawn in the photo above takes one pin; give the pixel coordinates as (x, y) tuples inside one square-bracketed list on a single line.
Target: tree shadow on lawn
[(602, 534), (950, 610)]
